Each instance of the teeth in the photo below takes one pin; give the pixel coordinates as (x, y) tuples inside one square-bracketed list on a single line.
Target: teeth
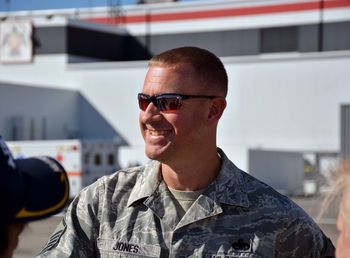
[(158, 132)]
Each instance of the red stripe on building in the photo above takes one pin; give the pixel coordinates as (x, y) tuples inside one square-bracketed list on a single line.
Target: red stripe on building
[(221, 13), (336, 3)]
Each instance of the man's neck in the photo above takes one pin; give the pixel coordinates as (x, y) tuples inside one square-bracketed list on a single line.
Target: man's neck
[(192, 175)]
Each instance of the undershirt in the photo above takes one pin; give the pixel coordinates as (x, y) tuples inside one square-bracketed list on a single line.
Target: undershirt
[(184, 199)]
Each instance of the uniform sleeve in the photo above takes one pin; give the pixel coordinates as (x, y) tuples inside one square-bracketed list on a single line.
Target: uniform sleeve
[(76, 235), (302, 238)]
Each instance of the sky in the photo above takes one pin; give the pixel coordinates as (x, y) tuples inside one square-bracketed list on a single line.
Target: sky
[(19, 5)]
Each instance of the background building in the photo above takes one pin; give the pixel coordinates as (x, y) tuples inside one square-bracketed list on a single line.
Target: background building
[(288, 64)]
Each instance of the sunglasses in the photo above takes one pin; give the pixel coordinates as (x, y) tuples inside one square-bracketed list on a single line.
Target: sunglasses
[(167, 102)]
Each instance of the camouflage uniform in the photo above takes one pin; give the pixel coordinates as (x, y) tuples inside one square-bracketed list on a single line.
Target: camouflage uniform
[(132, 214)]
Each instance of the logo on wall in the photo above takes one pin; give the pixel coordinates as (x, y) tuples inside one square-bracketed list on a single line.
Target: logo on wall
[(16, 44)]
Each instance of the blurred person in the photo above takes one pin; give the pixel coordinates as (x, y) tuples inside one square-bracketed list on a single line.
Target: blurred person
[(341, 189), (30, 189), (190, 200)]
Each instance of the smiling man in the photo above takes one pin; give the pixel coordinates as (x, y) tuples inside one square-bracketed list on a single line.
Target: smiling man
[(190, 200)]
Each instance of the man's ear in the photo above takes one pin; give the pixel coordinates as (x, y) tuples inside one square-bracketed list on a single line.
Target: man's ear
[(217, 108)]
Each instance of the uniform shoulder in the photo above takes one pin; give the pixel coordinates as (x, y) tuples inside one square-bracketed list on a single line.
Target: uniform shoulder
[(261, 195), (121, 178)]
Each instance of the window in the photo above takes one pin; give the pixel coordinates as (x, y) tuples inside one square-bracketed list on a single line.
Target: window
[(110, 159), (97, 159), (283, 39), (336, 36)]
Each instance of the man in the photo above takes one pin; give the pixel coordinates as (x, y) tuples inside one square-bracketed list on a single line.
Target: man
[(190, 200), (30, 189)]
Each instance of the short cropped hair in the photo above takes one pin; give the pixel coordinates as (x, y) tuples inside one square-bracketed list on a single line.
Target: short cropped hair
[(208, 68)]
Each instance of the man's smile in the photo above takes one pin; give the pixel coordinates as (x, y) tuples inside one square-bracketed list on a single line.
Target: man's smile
[(154, 132)]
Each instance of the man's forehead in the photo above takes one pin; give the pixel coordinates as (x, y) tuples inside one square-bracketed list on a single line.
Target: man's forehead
[(155, 74), (168, 78), (156, 70)]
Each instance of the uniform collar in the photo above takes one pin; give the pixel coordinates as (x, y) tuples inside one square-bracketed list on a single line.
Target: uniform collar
[(147, 183), (228, 188)]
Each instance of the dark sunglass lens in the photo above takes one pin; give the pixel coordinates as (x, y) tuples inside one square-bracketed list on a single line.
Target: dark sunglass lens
[(168, 103), (143, 102)]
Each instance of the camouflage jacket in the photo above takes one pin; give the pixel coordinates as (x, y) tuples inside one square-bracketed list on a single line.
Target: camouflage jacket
[(132, 214)]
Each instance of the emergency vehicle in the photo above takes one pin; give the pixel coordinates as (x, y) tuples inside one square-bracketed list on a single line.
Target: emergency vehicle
[(84, 160)]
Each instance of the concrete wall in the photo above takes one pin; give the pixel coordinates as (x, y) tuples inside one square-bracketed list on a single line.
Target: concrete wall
[(54, 112), (36, 113), (285, 103), (49, 71)]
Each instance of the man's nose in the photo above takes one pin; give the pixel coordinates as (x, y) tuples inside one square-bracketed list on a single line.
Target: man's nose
[(151, 113)]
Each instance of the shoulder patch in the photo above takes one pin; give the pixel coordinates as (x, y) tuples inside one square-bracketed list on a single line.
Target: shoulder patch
[(54, 239)]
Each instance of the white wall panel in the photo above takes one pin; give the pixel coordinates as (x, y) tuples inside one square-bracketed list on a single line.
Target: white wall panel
[(45, 70)]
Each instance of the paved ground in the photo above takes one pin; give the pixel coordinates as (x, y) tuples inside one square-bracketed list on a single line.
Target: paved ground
[(35, 236), (37, 233)]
